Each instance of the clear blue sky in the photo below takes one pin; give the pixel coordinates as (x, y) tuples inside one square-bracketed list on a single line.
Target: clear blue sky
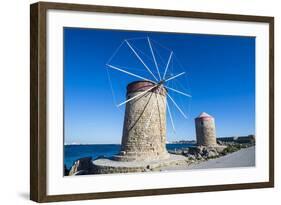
[(221, 75)]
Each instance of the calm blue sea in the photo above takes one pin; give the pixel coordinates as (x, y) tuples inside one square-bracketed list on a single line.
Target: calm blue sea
[(74, 152)]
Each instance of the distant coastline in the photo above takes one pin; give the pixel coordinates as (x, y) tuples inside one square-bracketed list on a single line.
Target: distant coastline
[(223, 139), (70, 144)]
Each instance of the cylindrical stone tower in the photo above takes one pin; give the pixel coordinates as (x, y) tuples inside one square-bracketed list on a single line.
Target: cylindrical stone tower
[(144, 129), (205, 130)]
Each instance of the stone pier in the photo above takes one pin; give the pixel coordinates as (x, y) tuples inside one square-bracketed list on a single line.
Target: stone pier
[(144, 133)]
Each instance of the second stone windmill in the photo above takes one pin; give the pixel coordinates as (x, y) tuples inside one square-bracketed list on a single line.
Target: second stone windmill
[(153, 76)]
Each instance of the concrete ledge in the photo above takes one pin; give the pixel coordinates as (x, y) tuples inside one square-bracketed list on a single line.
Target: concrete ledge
[(107, 166), (141, 157)]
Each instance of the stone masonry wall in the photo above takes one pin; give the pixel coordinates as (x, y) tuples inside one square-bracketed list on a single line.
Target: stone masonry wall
[(144, 129), (205, 131)]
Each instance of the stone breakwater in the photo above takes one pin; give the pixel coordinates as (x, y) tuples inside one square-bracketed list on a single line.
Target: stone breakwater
[(186, 157), (203, 153)]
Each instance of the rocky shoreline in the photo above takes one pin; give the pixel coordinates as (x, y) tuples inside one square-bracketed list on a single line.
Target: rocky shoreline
[(179, 157), (210, 152)]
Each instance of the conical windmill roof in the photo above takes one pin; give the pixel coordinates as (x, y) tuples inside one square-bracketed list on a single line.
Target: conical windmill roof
[(204, 115)]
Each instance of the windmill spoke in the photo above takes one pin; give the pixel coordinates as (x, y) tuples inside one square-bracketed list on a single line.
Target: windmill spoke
[(142, 93), (167, 65), (158, 79), (129, 73), (156, 65), (141, 60), (170, 115), (115, 52), (177, 106), (175, 76), (177, 91)]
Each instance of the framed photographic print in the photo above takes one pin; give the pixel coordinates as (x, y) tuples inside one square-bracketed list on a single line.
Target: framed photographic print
[(134, 102)]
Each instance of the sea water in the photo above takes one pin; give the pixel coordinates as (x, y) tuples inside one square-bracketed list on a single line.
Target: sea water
[(75, 152)]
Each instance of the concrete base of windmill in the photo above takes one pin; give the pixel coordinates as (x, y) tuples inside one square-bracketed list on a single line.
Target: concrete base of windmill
[(107, 166), (141, 157)]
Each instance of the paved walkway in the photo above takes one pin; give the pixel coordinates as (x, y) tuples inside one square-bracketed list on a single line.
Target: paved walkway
[(242, 158)]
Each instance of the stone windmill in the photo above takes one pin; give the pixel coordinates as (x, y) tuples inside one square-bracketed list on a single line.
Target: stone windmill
[(205, 130), (147, 100)]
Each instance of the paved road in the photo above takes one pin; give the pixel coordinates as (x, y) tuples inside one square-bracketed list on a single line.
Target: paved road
[(242, 158)]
